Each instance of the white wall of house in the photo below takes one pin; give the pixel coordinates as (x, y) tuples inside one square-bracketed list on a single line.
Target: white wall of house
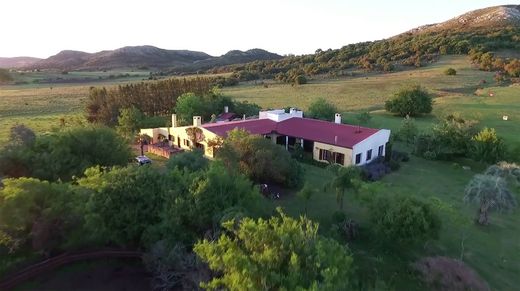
[(373, 143), (280, 114)]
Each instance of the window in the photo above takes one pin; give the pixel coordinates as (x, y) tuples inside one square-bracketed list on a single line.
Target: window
[(358, 159), (339, 158), (186, 142), (380, 151), (369, 155), (325, 155)]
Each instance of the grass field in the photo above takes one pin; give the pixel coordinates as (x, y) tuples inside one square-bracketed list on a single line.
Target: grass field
[(494, 250)]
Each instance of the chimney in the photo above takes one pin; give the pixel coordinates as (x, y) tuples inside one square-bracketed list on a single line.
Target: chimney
[(244, 117), (197, 121), (174, 120), (337, 118), (335, 139), (226, 109)]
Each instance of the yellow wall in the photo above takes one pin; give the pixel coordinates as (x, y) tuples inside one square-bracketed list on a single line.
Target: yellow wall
[(181, 132), (346, 151)]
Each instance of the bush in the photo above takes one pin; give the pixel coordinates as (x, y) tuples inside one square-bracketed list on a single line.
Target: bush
[(375, 170), (399, 156), (410, 101), (190, 160), (300, 80), (338, 217), (394, 165), (403, 220), (430, 155), (487, 146), (443, 273), (450, 72)]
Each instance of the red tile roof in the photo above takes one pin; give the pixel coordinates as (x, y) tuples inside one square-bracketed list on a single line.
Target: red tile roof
[(343, 135), (253, 126)]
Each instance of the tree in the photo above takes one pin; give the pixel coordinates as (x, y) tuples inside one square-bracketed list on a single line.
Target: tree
[(306, 194), (21, 136), (364, 117), (345, 178), (40, 213), (124, 204), (190, 160), (487, 146), (189, 105), (408, 130), (197, 201), (322, 109), (281, 253), (513, 68), (450, 72), (411, 101), (259, 159), (129, 122), (5, 77), (403, 220), (490, 193), (300, 80)]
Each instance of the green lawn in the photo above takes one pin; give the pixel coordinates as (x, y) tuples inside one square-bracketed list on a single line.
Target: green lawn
[(493, 251)]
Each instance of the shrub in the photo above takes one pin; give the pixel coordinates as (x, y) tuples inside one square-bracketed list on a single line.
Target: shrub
[(403, 220), (430, 155), (394, 165), (443, 273), (338, 216), (191, 160), (450, 72), (487, 146), (300, 80), (375, 170), (399, 156), (410, 101)]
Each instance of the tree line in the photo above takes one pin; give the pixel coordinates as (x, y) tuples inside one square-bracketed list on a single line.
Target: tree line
[(405, 50), (151, 98)]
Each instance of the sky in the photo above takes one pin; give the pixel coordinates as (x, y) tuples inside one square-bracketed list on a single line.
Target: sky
[(41, 28)]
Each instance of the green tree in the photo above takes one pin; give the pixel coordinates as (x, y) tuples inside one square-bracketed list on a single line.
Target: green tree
[(42, 214), (345, 178), (281, 253), (410, 101), (490, 193), (450, 72), (197, 201), (124, 205), (322, 109), (408, 130), (364, 117), (487, 146), (189, 105), (190, 160), (129, 122), (300, 80), (259, 159), (306, 194), (403, 220)]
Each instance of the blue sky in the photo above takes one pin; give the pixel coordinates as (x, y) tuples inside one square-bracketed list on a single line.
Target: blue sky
[(43, 28)]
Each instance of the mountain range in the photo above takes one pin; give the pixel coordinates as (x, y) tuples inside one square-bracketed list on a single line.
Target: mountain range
[(151, 57)]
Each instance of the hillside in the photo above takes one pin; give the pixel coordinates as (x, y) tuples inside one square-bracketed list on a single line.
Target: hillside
[(146, 57), (17, 62), (484, 30)]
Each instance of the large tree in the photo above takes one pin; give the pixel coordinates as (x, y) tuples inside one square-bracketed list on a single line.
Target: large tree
[(129, 122), (259, 159), (410, 101), (281, 253), (124, 205), (322, 109), (40, 213)]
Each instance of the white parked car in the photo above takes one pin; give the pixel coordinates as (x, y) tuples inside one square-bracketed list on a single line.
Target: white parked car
[(143, 160)]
